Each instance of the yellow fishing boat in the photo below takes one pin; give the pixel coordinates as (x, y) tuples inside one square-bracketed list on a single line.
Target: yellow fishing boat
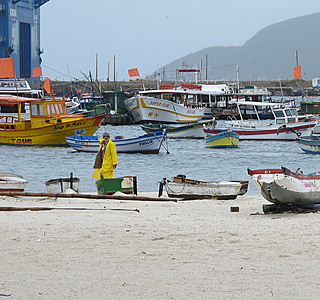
[(46, 122), (225, 139)]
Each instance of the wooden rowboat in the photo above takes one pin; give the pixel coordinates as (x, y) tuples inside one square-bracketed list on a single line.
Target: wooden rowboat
[(289, 188), (182, 187), (12, 183), (61, 185), (109, 186)]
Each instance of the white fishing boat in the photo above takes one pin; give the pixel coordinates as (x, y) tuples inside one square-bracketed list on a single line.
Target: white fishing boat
[(63, 185), (148, 144), (10, 182), (182, 187), (165, 106), (192, 130), (291, 188), (286, 124), (264, 176)]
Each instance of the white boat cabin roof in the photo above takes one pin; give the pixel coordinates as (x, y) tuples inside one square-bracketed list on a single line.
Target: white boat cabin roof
[(253, 103)]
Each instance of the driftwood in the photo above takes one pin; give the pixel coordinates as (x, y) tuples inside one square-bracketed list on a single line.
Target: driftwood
[(87, 196), (10, 208)]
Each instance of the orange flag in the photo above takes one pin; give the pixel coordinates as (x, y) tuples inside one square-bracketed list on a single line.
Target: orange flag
[(133, 72), (47, 85), (36, 72), (6, 67), (297, 72)]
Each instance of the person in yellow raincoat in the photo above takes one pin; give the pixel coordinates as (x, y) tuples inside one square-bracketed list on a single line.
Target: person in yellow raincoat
[(109, 158)]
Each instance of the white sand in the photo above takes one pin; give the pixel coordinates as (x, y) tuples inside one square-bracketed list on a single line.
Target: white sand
[(185, 250)]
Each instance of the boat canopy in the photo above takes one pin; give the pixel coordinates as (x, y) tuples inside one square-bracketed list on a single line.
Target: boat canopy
[(166, 91), (254, 103), (12, 100)]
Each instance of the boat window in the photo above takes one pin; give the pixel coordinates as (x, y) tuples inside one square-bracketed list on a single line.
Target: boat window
[(291, 120), (49, 110), (204, 98), (53, 108), (36, 110), (59, 108), (64, 108), (288, 112), (293, 112), (279, 113)]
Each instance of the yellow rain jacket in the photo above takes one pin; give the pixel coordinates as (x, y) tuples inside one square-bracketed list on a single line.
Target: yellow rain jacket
[(109, 159)]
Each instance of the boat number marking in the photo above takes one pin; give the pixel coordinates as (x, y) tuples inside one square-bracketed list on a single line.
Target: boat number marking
[(145, 143), (309, 184)]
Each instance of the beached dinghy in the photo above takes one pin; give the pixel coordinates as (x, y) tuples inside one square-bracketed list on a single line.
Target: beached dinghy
[(289, 188), (182, 187), (10, 182), (61, 185), (264, 175), (109, 186)]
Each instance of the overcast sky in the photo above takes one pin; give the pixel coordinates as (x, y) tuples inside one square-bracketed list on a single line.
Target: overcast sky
[(148, 34)]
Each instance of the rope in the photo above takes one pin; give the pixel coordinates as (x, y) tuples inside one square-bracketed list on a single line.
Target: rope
[(170, 190)]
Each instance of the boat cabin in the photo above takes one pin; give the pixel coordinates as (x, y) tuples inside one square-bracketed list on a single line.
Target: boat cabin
[(42, 112), (281, 115)]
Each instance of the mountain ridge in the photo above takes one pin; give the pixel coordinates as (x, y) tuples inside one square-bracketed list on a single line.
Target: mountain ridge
[(270, 54)]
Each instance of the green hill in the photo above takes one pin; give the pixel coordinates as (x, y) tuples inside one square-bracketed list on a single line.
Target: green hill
[(268, 55)]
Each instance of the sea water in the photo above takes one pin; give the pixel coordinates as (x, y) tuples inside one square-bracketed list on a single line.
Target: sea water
[(189, 157)]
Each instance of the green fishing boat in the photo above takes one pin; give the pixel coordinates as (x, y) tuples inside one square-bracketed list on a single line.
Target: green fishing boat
[(126, 184)]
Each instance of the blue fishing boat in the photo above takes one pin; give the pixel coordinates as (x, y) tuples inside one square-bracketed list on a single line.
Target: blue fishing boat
[(225, 139), (148, 144), (191, 130), (311, 144)]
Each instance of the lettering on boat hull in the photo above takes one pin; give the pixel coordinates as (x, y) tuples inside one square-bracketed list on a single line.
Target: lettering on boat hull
[(21, 141)]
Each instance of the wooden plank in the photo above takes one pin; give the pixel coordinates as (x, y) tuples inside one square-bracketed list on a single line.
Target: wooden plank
[(11, 208), (88, 196)]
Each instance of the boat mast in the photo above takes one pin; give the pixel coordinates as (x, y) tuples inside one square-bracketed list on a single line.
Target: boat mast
[(115, 85), (238, 81)]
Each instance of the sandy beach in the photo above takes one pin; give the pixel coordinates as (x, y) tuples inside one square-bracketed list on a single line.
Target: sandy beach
[(186, 250)]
